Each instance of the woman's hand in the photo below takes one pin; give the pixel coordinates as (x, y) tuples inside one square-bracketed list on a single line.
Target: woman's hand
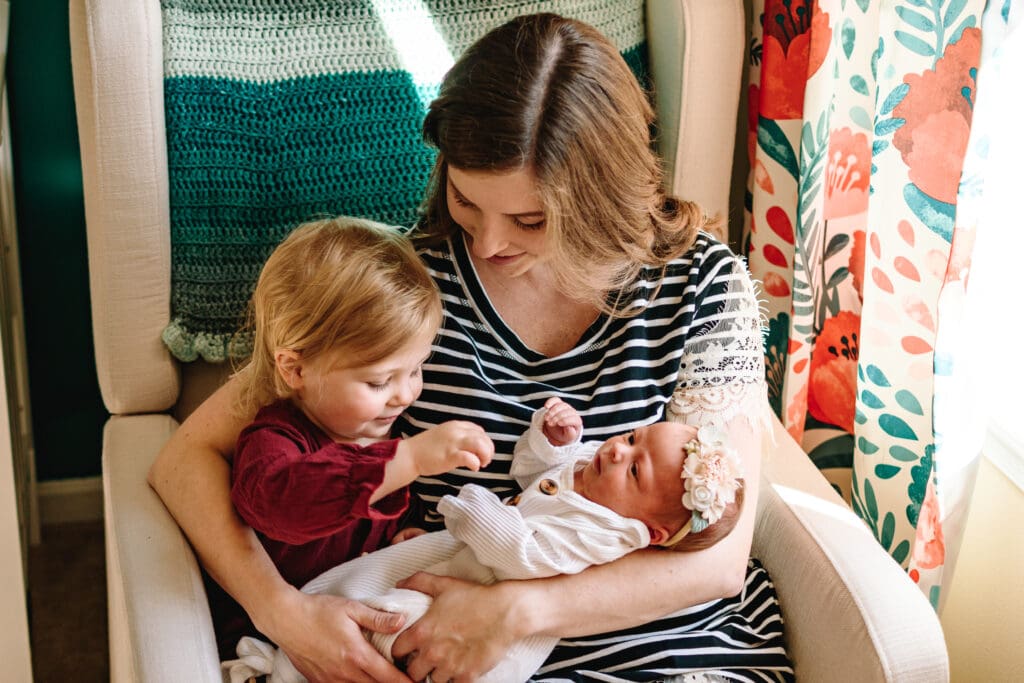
[(467, 630), (322, 638), (562, 424), (407, 533)]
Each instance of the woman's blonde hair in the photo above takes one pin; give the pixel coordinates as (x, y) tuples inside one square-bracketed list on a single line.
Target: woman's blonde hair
[(553, 95), (341, 285)]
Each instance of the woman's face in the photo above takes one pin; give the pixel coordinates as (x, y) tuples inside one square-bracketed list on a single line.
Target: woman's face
[(502, 217)]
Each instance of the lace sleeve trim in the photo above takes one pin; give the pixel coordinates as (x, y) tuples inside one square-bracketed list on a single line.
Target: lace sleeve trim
[(721, 374)]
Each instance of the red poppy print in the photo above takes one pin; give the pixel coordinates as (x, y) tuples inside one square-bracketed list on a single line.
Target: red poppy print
[(929, 544), (833, 376), (937, 111), (796, 39), (856, 264), (847, 174)]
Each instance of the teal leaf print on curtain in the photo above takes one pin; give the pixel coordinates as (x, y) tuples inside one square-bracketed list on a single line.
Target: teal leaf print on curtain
[(859, 125)]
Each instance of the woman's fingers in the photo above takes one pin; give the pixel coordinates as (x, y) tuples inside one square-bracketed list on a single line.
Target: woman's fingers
[(424, 583), (327, 645), (407, 533), (463, 634), (374, 619)]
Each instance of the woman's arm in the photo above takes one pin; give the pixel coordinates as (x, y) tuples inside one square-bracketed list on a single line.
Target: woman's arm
[(469, 627), (320, 633)]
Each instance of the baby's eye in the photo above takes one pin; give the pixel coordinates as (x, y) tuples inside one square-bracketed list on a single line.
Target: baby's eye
[(378, 386), (630, 438), (634, 470)]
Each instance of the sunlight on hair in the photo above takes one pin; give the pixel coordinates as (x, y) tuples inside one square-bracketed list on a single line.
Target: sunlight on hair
[(418, 44)]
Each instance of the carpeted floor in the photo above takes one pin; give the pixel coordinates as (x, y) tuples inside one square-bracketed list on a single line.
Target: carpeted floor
[(68, 604)]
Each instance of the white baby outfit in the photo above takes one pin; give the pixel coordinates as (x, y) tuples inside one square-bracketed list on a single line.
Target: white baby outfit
[(546, 530)]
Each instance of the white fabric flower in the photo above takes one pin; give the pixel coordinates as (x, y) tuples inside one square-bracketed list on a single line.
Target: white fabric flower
[(711, 474)]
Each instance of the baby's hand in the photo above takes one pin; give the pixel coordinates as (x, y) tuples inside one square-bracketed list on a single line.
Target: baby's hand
[(449, 445), (562, 424)]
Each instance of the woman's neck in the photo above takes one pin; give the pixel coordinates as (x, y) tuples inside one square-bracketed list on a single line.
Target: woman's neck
[(533, 307)]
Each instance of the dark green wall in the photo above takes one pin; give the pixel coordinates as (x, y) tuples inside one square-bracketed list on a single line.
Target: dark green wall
[(67, 412)]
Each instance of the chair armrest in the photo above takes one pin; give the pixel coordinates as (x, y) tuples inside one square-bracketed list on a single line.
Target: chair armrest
[(851, 612), (159, 618)]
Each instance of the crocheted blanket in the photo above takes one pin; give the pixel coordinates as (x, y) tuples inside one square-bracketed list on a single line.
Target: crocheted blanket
[(280, 112)]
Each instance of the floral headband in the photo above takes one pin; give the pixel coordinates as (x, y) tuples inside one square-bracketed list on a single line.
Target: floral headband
[(711, 474)]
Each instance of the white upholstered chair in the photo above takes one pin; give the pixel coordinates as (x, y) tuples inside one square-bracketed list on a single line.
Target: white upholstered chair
[(851, 614)]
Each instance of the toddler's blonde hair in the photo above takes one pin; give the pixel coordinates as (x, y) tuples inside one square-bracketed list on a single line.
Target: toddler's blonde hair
[(343, 285)]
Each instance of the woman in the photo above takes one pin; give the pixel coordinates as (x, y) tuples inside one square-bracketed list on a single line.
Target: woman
[(564, 269)]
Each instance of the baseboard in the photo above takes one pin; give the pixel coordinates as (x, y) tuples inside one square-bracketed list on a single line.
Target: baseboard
[(70, 500)]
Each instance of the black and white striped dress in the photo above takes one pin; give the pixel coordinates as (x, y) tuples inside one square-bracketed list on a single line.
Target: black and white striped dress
[(693, 354)]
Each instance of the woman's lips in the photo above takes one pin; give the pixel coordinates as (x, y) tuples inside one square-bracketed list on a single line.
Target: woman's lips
[(502, 260)]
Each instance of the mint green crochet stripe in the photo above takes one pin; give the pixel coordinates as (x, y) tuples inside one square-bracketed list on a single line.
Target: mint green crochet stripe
[(265, 42)]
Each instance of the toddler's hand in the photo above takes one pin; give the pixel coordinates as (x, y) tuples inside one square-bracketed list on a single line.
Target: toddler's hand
[(449, 445), (562, 424)]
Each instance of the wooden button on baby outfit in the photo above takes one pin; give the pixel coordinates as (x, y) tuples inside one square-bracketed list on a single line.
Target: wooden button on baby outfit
[(514, 500), (548, 487)]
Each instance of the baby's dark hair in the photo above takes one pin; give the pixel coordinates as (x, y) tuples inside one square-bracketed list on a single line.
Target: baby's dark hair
[(692, 542)]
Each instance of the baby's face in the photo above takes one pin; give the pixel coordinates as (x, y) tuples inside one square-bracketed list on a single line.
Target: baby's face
[(637, 475)]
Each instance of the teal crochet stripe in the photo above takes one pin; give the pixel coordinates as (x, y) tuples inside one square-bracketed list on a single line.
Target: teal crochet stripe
[(280, 112), (249, 161)]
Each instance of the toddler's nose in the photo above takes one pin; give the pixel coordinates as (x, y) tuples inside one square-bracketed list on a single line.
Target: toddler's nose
[(404, 395)]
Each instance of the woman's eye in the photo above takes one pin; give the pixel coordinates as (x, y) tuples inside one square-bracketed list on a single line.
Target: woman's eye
[(461, 201), (537, 225)]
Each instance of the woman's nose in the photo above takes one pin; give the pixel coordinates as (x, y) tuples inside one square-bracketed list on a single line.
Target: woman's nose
[(489, 239)]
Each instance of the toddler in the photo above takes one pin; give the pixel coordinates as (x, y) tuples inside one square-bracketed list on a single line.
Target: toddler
[(343, 317)]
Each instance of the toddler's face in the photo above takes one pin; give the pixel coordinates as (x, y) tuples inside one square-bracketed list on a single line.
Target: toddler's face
[(362, 402), (637, 475)]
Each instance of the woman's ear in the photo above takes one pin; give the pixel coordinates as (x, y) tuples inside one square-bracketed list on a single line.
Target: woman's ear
[(289, 366)]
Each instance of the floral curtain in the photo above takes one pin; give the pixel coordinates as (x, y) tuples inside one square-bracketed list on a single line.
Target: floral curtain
[(864, 167)]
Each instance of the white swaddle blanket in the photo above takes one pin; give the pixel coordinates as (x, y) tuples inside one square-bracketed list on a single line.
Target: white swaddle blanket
[(549, 530)]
